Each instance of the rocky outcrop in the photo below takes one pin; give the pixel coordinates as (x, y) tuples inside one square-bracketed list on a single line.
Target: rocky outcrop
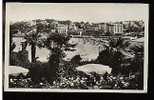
[(96, 68)]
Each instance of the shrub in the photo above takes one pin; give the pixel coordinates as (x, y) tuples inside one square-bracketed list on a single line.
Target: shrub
[(14, 60)]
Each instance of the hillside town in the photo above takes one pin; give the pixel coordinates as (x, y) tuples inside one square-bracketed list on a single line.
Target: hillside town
[(128, 28)]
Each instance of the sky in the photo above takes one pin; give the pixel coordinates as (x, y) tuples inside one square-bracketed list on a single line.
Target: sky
[(90, 12)]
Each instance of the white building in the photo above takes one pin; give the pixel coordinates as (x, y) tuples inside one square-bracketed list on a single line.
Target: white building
[(61, 28), (118, 28)]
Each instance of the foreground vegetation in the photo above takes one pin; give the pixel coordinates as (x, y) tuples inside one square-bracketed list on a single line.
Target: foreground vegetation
[(80, 82), (125, 60)]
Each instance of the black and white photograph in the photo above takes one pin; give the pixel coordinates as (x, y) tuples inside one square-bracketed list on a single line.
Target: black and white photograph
[(76, 47)]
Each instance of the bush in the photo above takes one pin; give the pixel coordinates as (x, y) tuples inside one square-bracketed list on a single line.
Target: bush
[(76, 59), (14, 60), (19, 81), (19, 58), (76, 80)]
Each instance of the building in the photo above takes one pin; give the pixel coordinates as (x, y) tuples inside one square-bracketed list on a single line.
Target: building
[(103, 27), (106, 28), (118, 28), (111, 28), (80, 32), (61, 28), (58, 28), (94, 27)]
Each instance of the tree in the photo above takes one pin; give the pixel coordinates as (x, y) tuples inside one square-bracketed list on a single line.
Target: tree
[(22, 26), (77, 24), (76, 59), (115, 54), (57, 44), (31, 35), (13, 55), (66, 22), (50, 20), (33, 39)]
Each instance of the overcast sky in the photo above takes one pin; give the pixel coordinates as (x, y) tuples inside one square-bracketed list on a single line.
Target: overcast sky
[(76, 12)]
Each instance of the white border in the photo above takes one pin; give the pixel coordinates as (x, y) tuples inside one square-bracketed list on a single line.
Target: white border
[(1, 50), (79, 90)]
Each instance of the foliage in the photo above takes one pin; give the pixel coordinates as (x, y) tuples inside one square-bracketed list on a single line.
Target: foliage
[(57, 52), (56, 43), (122, 56), (56, 73), (33, 38), (111, 55), (19, 58), (66, 22), (76, 59), (65, 75), (22, 27), (110, 82), (12, 47), (135, 26), (80, 82), (14, 60)]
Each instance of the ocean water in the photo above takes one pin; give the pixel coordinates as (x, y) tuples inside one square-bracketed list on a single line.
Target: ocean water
[(41, 53), (87, 50)]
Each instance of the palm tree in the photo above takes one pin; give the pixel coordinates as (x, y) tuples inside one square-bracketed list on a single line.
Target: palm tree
[(33, 38), (115, 54), (57, 44)]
